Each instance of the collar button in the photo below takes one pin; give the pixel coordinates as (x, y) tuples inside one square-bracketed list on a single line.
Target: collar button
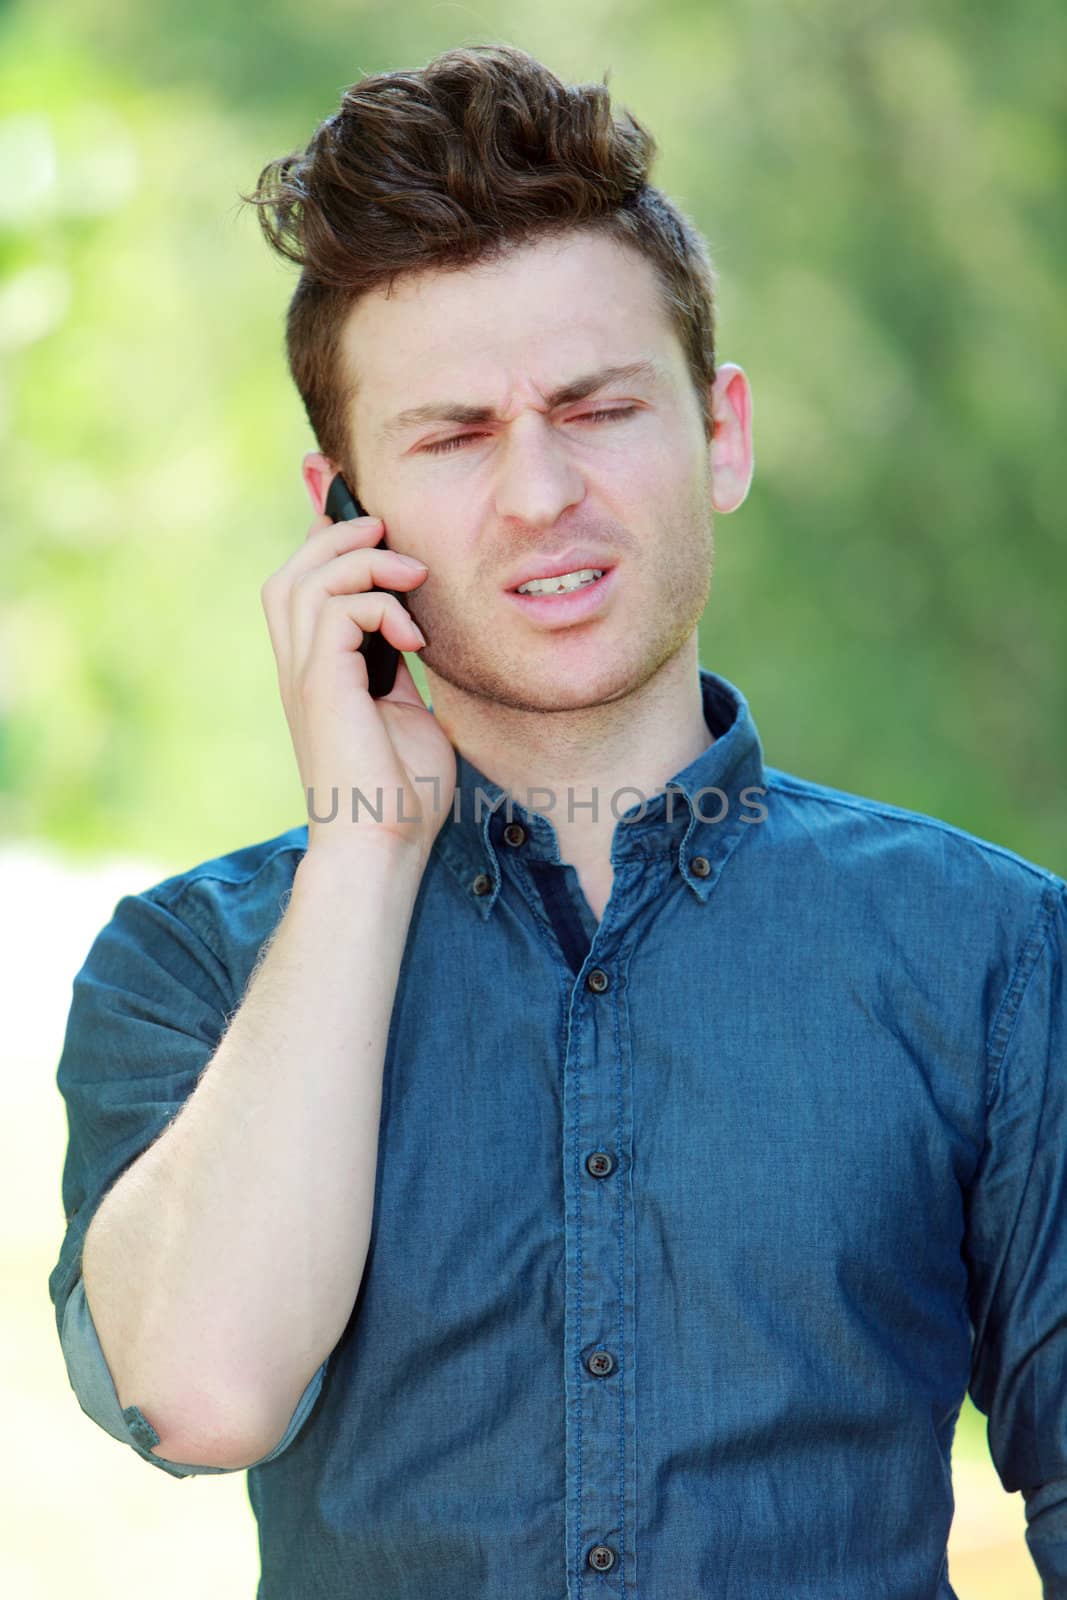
[(700, 865)]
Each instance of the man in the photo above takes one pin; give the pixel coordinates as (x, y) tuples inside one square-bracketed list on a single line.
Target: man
[(585, 1156)]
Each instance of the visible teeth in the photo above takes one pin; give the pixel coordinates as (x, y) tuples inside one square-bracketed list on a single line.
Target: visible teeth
[(564, 583)]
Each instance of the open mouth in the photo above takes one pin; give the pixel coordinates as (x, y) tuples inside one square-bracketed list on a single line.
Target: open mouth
[(568, 605)]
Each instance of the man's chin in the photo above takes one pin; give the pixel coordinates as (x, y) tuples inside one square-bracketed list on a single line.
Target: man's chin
[(534, 684)]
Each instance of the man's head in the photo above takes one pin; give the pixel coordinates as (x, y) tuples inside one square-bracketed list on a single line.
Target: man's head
[(479, 234), (480, 150)]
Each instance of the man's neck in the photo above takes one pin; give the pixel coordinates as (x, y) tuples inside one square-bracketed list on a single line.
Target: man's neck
[(616, 753)]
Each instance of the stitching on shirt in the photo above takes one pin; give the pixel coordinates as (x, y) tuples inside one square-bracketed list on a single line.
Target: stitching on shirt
[(183, 906), (177, 884), (1037, 944), (180, 892), (736, 829), (827, 795), (582, 1000), (533, 899), (625, 1377), (608, 923), (1010, 1008)]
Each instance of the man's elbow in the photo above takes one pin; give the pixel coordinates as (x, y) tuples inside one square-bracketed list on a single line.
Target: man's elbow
[(203, 1433)]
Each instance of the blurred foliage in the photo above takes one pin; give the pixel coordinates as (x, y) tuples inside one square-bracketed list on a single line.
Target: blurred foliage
[(882, 190)]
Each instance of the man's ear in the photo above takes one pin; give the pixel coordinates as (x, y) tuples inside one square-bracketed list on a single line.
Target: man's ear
[(318, 473), (730, 447)]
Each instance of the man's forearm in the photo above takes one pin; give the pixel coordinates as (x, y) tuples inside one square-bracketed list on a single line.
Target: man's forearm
[(223, 1266)]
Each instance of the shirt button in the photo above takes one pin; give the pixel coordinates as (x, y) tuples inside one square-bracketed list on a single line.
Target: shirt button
[(599, 1164), (482, 884), (597, 980), (600, 1363), (601, 1558), (700, 865), (515, 833)]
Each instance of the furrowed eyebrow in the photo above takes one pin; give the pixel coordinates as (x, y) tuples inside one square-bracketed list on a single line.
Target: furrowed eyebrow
[(567, 394)]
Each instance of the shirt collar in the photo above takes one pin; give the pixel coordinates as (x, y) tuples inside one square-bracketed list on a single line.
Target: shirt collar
[(699, 815)]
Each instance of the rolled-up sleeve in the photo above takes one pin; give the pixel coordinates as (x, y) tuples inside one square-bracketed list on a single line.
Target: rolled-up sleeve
[(91, 1380), (1016, 1241), (149, 1006)]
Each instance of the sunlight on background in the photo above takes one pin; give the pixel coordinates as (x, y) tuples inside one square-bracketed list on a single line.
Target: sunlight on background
[(880, 188)]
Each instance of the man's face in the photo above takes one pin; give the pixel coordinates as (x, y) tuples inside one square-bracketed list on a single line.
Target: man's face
[(623, 475)]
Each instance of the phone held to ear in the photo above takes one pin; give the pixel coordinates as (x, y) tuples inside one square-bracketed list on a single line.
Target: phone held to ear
[(381, 657)]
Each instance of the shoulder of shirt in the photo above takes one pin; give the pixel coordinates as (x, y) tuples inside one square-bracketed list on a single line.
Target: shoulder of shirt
[(251, 871), (916, 828)]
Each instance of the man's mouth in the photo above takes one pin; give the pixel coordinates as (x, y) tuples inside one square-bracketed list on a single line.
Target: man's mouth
[(565, 598), (566, 583)]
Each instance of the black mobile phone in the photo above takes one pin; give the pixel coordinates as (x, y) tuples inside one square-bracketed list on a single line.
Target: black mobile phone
[(381, 657)]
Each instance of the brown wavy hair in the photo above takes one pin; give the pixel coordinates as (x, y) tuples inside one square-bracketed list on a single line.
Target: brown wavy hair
[(482, 150)]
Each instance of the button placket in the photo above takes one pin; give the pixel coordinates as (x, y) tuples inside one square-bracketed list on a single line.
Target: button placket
[(601, 1446)]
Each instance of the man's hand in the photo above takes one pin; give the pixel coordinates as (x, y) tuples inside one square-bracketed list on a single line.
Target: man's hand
[(319, 605)]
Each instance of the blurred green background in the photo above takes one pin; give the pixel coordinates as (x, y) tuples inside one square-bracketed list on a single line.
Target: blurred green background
[(881, 187), (882, 190)]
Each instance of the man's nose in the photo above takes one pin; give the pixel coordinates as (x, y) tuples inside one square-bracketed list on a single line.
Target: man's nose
[(537, 477)]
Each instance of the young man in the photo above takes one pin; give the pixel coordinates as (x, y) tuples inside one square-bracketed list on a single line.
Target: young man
[(591, 1157)]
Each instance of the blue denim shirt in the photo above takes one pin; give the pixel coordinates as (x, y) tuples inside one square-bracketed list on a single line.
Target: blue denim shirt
[(691, 1228)]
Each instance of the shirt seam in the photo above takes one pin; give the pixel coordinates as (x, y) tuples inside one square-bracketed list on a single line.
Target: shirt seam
[(181, 894), (1002, 1031), (891, 813), (533, 897), (177, 885)]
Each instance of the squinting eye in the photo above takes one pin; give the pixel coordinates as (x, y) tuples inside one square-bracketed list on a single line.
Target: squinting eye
[(447, 444), (459, 439), (616, 411)]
